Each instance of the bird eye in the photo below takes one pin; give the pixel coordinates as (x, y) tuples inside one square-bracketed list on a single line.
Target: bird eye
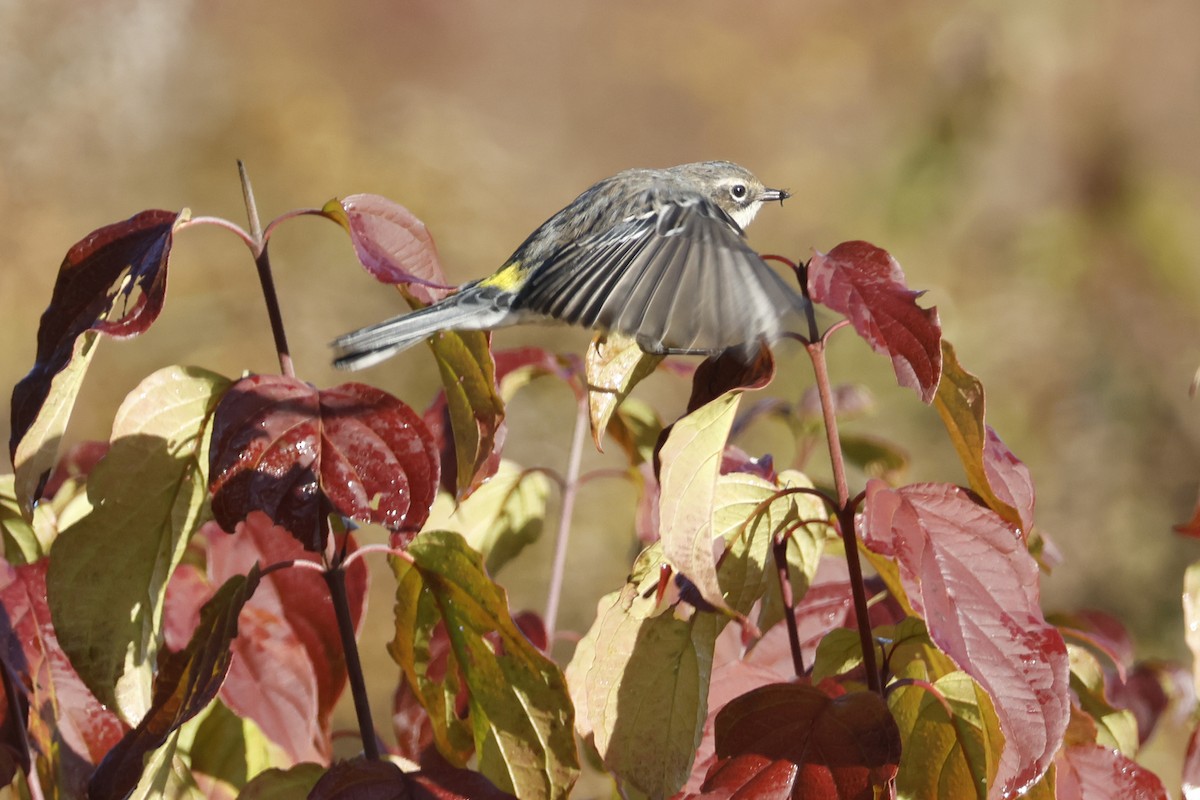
[(738, 190)]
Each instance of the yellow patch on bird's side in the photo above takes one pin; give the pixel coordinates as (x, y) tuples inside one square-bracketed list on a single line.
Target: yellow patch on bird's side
[(507, 278)]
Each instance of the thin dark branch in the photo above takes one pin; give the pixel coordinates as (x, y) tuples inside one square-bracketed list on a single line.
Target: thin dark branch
[(779, 551), (335, 577)]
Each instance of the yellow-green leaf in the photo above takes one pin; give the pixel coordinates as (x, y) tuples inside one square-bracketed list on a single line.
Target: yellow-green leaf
[(501, 517), (148, 495), (519, 712), (945, 758), (691, 462), (640, 679)]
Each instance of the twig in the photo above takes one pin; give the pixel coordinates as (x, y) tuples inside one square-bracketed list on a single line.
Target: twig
[(570, 489)]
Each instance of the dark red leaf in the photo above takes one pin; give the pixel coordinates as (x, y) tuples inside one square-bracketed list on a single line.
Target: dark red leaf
[(967, 572), (794, 741), (393, 245), (866, 284), (186, 682), (362, 780), (281, 447), (383, 780), (735, 459), (1150, 689), (113, 281), (65, 716), (14, 718), (1102, 632), (719, 374), (1095, 772)]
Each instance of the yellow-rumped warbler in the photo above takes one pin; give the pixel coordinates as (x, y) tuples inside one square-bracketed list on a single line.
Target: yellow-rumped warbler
[(655, 254)]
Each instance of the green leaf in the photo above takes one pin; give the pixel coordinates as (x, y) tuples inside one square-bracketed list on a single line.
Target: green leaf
[(1114, 727), (635, 427), (877, 458), (283, 784), (691, 462), (109, 570), (519, 712), (37, 450), (501, 517), (165, 777), (22, 545), (748, 512), (640, 679), (945, 758), (960, 403), (468, 371), (838, 652), (226, 747), (186, 682)]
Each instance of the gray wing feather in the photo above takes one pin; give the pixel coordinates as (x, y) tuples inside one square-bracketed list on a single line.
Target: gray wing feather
[(681, 278)]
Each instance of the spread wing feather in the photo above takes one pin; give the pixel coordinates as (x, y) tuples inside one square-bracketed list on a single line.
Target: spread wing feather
[(678, 278)]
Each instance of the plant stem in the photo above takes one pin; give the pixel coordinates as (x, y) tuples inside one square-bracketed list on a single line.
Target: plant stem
[(779, 550), (845, 515), (569, 491), (263, 262), (335, 577)]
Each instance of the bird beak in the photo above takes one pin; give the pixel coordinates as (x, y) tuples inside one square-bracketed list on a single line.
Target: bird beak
[(775, 194)]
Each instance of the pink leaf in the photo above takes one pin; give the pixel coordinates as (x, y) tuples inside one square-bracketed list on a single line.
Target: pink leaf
[(1095, 772), (968, 573), (866, 284), (392, 244)]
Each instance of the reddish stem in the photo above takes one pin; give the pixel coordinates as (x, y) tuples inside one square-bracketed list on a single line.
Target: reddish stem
[(845, 513)]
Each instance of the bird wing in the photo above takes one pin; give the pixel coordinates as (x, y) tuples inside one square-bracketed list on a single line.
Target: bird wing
[(679, 277)]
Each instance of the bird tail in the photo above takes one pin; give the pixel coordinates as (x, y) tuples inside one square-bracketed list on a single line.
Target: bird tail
[(468, 310)]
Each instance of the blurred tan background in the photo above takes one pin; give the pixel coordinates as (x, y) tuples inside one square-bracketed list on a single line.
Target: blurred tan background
[(1033, 164)]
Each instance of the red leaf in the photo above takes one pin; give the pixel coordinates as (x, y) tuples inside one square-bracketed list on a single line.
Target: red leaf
[(290, 633), (14, 718), (1192, 526), (64, 717), (1151, 688), (95, 291), (967, 572), (526, 363), (866, 284), (1095, 772), (392, 244), (187, 681), (383, 780), (719, 374), (281, 447), (793, 741)]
